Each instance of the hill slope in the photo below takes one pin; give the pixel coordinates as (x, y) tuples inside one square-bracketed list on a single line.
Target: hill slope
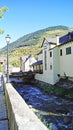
[(31, 43)]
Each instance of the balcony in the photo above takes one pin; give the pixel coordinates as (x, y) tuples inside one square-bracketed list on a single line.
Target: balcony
[(38, 71)]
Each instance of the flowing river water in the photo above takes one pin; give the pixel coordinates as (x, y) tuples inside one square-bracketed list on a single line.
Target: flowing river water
[(49, 108)]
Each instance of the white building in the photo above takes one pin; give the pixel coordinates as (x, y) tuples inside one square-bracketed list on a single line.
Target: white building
[(38, 65), (25, 63), (57, 59)]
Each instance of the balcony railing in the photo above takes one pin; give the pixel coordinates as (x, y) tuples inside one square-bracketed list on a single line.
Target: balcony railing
[(38, 71)]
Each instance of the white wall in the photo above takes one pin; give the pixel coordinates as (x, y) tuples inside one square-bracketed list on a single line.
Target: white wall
[(40, 57), (48, 74), (60, 64), (15, 69), (66, 61), (39, 77), (56, 64), (25, 66)]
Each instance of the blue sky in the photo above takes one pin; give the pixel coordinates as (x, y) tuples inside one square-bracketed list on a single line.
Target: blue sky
[(26, 16)]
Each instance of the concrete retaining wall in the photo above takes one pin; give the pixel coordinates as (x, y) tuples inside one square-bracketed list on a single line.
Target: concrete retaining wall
[(19, 114)]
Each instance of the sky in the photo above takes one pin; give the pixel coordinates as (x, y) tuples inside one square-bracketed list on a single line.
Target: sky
[(27, 16)]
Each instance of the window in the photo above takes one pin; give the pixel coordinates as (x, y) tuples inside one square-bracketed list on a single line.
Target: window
[(50, 67), (68, 50), (60, 52), (45, 59), (50, 54)]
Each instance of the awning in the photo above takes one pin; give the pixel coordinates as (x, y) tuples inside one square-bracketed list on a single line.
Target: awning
[(37, 63)]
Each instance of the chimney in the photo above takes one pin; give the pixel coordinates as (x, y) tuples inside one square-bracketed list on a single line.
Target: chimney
[(57, 37)]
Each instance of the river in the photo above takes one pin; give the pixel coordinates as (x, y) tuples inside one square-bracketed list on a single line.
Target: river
[(49, 108)]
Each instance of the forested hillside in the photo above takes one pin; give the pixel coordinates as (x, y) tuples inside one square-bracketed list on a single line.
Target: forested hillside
[(31, 43)]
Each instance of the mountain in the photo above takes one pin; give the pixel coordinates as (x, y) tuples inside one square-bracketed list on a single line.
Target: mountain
[(31, 43), (31, 39)]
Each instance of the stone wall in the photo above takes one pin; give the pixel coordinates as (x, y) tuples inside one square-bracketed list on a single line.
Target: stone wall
[(19, 114), (41, 83)]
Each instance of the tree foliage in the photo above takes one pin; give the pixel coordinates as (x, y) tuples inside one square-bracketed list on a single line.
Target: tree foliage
[(2, 11)]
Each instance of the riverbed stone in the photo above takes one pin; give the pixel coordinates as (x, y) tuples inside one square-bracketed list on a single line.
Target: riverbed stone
[(67, 119), (52, 127)]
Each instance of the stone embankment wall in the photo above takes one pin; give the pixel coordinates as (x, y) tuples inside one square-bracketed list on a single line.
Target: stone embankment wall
[(19, 114)]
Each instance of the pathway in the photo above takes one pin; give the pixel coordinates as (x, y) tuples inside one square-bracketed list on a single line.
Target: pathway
[(3, 113)]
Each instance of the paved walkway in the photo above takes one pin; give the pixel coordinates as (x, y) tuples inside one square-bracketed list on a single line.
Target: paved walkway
[(3, 113)]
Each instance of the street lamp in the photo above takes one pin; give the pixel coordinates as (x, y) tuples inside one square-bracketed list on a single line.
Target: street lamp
[(8, 41)]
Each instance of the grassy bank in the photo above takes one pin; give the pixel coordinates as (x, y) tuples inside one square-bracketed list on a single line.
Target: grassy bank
[(63, 92)]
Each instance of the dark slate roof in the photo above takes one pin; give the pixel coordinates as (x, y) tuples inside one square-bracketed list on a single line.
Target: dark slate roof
[(66, 38), (37, 63)]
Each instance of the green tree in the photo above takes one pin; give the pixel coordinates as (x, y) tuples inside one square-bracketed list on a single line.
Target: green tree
[(0, 68), (2, 11)]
